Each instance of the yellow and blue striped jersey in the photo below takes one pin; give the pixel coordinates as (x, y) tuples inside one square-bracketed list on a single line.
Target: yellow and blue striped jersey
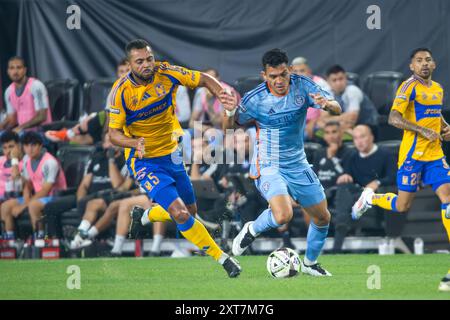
[(422, 105), (149, 111)]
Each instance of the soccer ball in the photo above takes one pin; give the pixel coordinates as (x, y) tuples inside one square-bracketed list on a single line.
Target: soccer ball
[(283, 263)]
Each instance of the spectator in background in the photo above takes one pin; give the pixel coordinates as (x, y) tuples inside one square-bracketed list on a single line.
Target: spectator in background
[(10, 166), (370, 167), (43, 176), (356, 106), (91, 129), (183, 107), (300, 67), (26, 100), (206, 107), (328, 162)]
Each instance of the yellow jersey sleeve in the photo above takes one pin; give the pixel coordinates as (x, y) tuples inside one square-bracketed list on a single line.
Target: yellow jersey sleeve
[(184, 77), (403, 96), (118, 96)]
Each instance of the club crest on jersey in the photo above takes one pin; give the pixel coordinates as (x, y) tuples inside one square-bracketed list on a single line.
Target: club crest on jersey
[(160, 90), (140, 174), (299, 100), (266, 186)]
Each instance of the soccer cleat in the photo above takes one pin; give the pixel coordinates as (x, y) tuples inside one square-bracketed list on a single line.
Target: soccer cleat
[(362, 205), (315, 270), (136, 229), (232, 267), (57, 136), (444, 285), (243, 240), (80, 241)]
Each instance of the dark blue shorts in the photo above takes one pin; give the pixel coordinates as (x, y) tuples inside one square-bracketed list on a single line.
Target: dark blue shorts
[(434, 173), (163, 179)]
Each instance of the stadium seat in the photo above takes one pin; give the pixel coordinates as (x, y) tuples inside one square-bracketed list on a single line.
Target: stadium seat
[(63, 96), (245, 84), (310, 149), (74, 159), (353, 78), (381, 88), (95, 93), (392, 145)]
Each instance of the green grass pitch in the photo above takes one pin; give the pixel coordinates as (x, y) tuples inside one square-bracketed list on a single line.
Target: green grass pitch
[(402, 277)]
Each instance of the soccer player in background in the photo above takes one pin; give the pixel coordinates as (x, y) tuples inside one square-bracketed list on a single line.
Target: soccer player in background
[(143, 120), (417, 110), (279, 166)]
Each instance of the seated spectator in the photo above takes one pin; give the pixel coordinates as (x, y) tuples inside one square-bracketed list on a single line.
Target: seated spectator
[(300, 67), (356, 106), (370, 167), (328, 162), (183, 107), (26, 100), (43, 176), (10, 166), (91, 129), (206, 107)]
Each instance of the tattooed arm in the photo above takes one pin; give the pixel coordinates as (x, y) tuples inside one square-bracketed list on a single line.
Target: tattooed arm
[(396, 119)]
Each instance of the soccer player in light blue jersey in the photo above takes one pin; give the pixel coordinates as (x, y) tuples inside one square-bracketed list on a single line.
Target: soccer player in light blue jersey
[(278, 108)]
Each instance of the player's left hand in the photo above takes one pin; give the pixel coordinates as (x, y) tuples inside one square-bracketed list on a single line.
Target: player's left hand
[(319, 99), (445, 133), (228, 99), (140, 147)]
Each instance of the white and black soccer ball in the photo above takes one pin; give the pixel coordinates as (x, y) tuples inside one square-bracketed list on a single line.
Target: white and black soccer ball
[(283, 263)]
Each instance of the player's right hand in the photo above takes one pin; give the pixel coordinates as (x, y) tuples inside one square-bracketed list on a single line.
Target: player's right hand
[(228, 99), (430, 134), (140, 147)]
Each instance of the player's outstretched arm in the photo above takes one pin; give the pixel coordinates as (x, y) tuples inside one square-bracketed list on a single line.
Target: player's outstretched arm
[(397, 120), (121, 140), (332, 106)]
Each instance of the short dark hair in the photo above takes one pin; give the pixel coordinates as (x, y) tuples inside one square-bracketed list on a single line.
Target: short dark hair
[(17, 58), (415, 51), (8, 136), (136, 44), (333, 123), (274, 58), (122, 62), (334, 69), (32, 137)]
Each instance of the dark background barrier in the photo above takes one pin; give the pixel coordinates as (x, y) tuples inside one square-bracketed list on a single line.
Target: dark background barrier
[(229, 35)]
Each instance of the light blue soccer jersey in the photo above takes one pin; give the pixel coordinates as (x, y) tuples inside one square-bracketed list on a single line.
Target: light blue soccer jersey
[(280, 123)]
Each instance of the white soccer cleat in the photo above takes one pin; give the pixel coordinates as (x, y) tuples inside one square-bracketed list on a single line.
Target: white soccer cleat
[(363, 204), (78, 242), (444, 286), (243, 240), (315, 270)]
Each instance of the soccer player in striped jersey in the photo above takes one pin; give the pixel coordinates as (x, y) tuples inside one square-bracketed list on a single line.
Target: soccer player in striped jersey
[(417, 110), (278, 108)]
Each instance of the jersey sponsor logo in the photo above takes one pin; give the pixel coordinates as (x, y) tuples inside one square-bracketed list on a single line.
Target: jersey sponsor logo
[(114, 110), (432, 111), (299, 100)]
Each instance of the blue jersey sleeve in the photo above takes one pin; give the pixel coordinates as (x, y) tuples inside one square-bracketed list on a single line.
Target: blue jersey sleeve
[(311, 87), (245, 112)]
